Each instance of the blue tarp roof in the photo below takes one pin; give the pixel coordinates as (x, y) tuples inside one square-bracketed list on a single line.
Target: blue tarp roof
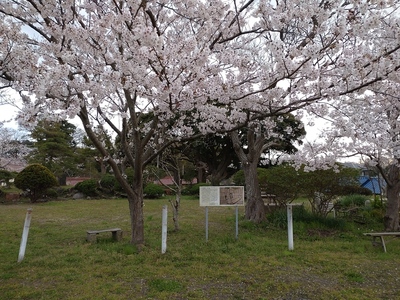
[(372, 183)]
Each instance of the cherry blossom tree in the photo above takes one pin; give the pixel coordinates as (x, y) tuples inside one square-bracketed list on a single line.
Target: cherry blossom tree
[(151, 71), (368, 126), (13, 147)]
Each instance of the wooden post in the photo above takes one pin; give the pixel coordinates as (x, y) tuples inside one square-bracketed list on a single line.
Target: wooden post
[(164, 229), (25, 235)]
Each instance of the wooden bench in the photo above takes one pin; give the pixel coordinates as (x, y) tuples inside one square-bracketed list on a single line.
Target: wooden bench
[(268, 198), (380, 235), (92, 234)]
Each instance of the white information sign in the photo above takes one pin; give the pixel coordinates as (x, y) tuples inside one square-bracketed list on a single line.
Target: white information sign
[(221, 196)]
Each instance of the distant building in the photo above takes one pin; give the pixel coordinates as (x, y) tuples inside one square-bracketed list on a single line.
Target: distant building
[(369, 179), (72, 181), (168, 180), (16, 166), (375, 184)]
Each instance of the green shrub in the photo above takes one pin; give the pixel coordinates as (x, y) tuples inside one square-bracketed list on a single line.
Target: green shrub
[(377, 215), (51, 193), (238, 177), (129, 177), (108, 182), (194, 189), (35, 179), (87, 187), (5, 175), (377, 203), (153, 191), (353, 200), (63, 191)]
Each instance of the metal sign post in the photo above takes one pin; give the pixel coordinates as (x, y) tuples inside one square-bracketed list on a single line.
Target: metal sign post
[(222, 196)]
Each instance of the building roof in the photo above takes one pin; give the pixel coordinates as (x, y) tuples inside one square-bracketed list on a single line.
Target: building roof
[(168, 180), (374, 184), (17, 166)]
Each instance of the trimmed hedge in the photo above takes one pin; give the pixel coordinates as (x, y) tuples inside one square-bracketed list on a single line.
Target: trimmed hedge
[(35, 179)]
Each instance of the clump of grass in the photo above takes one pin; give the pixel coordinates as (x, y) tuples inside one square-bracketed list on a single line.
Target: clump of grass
[(354, 277), (279, 219), (165, 285)]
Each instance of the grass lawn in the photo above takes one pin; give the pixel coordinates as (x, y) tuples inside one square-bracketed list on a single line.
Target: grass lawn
[(60, 264)]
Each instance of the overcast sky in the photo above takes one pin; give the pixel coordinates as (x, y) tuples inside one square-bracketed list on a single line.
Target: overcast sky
[(7, 113)]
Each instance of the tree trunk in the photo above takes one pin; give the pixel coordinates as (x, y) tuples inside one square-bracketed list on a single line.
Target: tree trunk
[(136, 212), (219, 171), (33, 196), (391, 219), (103, 169), (255, 210), (134, 189), (175, 209), (215, 180), (218, 175), (201, 173)]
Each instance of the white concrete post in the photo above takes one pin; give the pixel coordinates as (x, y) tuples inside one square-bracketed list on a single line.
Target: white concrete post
[(237, 222), (290, 226), (25, 235), (164, 229), (206, 223)]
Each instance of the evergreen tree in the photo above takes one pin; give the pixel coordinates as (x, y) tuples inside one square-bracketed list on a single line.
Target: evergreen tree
[(55, 148)]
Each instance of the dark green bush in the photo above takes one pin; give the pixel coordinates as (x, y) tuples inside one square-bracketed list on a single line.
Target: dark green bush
[(153, 191), (35, 179), (87, 187)]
